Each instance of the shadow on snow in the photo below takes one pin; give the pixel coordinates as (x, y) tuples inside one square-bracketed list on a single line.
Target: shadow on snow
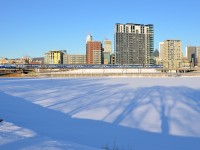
[(145, 118)]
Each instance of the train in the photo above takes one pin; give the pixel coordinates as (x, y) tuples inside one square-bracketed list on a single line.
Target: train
[(76, 66)]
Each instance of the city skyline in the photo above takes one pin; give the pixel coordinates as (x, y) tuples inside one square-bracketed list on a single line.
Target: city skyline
[(35, 27)]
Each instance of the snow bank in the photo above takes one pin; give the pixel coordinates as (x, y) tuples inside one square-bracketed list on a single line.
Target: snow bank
[(105, 71)]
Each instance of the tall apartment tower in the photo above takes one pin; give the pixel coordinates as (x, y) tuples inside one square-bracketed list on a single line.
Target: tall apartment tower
[(107, 51), (93, 52), (172, 54), (134, 43)]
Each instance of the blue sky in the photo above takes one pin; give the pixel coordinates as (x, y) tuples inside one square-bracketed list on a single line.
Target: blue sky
[(33, 27)]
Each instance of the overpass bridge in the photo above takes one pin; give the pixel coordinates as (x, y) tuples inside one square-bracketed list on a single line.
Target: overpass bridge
[(7, 71)]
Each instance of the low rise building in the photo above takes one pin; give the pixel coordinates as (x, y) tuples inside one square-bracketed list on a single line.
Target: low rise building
[(112, 59), (54, 57), (74, 59), (3, 61)]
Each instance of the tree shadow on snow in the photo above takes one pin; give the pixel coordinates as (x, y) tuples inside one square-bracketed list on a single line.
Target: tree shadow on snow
[(145, 118)]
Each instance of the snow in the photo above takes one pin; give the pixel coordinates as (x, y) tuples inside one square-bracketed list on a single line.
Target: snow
[(91, 113), (104, 71)]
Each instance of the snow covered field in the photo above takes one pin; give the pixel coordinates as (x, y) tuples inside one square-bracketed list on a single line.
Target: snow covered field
[(91, 113)]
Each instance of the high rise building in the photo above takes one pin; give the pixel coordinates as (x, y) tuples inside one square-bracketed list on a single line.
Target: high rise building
[(107, 46), (54, 57), (191, 54), (107, 51), (88, 38), (172, 54), (198, 55), (161, 49), (134, 43), (93, 52)]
